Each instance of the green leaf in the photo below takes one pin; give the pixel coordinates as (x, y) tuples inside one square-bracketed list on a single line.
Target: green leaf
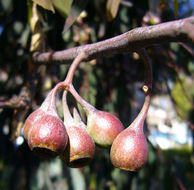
[(6, 4), (63, 6), (76, 8), (181, 97), (46, 4), (112, 8)]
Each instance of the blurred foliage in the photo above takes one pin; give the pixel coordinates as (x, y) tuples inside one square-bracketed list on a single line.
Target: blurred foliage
[(112, 84), (183, 101)]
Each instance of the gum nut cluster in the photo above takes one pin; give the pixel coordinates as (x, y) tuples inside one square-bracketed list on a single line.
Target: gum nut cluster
[(44, 130), (48, 136)]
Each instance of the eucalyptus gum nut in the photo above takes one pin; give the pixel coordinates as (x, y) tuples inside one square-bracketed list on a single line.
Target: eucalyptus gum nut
[(44, 130), (80, 149), (48, 137), (103, 127), (129, 150), (29, 123)]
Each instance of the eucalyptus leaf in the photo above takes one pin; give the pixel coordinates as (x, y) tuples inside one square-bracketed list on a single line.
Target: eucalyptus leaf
[(76, 8), (46, 4), (63, 6), (112, 9), (37, 39)]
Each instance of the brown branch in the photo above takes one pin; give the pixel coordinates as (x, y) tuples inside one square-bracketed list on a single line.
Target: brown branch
[(174, 31), (179, 182), (13, 103), (187, 48), (19, 102)]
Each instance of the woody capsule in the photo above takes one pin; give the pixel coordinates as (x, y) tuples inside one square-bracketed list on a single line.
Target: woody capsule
[(44, 130), (129, 150), (81, 148), (101, 125)]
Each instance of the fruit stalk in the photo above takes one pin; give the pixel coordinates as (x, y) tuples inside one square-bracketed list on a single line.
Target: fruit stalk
[(86, 106), (148, 71), (129, 150), (81, 56)]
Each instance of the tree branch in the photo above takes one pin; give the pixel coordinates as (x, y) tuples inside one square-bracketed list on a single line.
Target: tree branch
[(174, 31), (19, 102)]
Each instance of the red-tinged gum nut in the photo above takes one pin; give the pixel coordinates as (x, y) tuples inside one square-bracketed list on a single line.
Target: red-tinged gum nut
[(29, 123), (48, 137), (103, 127), (129, 150), (81, 147)]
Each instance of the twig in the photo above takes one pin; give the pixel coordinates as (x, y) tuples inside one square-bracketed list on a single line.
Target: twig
[(126, 3), (14, 103), (148, 67), (174, 31), (187, 48), (19, 102), (179, 182)]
